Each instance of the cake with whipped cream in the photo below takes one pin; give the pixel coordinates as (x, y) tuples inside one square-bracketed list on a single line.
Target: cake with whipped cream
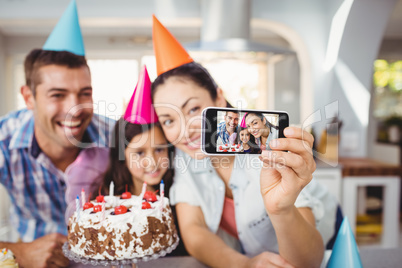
[(222, 148), (237, 148), (230, 148), (128, 228), (7, 259)]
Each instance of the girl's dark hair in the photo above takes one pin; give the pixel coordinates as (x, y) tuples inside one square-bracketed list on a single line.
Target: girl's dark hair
[(253, 145), (262, 117), (194, 72), (117, 170)]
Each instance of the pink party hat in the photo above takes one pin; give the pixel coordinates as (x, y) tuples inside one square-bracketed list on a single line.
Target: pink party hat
[(140, 109), (243, 121)]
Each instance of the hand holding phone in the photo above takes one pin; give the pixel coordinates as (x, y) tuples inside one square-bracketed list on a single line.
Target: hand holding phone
[(234, 131)]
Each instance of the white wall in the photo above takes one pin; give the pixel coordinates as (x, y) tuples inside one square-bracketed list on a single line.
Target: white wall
[(311, 19), (287, 88), (359, 48), (3, 108)]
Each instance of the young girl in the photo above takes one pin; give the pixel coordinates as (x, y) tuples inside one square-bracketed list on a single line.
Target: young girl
[(233, 213), (139, 151), (247, 140), (141, 154)]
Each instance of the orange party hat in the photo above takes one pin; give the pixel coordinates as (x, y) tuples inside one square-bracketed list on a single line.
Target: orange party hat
[(169, 53), (140, 109)]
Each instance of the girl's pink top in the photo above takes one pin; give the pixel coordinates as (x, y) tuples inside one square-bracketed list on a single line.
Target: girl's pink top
[(228, 222), (86, 172)]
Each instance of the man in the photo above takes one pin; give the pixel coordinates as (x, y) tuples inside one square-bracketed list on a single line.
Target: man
[(38, 150), (42, 145), (228, 128)]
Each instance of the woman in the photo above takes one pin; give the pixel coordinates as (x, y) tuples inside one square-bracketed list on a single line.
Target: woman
[(232, 214), (262, 130), (246, 139), (281, 180)]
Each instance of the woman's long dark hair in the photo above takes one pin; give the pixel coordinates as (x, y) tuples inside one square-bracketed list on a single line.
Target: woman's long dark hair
[(117, 171), (262, 117), (194, 72), (253, 145)]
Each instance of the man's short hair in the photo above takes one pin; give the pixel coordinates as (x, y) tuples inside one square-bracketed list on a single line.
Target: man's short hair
[(38, 58), (235, 112)]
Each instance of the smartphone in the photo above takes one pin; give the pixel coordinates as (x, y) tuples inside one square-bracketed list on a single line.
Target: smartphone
[(234, 131)]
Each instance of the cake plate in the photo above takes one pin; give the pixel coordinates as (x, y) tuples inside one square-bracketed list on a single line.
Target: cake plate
[(119, 263)]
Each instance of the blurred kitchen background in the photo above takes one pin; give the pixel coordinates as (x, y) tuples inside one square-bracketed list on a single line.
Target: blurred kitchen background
[(328, 63)]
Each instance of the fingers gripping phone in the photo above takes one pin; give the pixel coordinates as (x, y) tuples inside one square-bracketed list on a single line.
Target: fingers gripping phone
[(234, 131)]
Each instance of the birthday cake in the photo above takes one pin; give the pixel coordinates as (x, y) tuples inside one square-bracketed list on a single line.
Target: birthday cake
[(230, 148), (127, 228), (7, 259)]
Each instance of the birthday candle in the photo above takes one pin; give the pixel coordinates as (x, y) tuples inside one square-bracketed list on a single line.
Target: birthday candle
[(103, 210), (83, 197), (144, 188), (162, 188), (77, 207), (162, 192), (111, 189)]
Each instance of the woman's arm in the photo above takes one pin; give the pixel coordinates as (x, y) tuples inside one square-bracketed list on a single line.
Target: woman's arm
[(286, 171), (210, 249), (299, 241), (201, 243)]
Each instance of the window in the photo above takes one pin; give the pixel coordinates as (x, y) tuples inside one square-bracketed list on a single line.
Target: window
[(113, 80), (387, 80), (239, 81), (113, 83), (242, 80)]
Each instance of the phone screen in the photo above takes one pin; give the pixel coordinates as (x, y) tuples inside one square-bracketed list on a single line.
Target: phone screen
[(233, 131)]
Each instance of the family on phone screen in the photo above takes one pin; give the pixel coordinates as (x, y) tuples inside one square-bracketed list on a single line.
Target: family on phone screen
[(252, 135)]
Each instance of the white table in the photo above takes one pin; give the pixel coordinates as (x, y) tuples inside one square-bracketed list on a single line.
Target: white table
[(371, 258)]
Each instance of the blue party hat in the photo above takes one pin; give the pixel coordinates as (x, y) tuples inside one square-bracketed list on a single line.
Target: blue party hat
[(345, 253), (66, 36)]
